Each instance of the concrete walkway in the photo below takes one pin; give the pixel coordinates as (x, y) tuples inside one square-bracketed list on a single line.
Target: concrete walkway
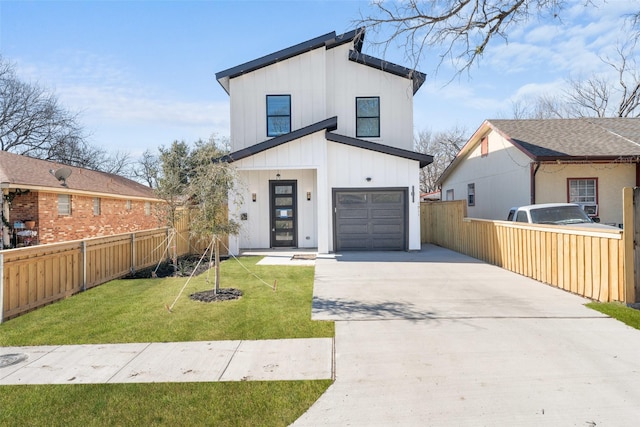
[(440, 339), (266, 360)]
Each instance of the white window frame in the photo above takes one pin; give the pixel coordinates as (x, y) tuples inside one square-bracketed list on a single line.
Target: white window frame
[(96, 206), (64, 204)]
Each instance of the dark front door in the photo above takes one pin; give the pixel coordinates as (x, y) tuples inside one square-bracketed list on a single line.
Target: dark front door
[(283, 214)]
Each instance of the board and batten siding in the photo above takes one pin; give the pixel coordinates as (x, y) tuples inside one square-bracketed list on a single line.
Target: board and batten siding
[(349, 167), (347, 80), (551, 185), (302, 77), (297, 160), (501, 179)]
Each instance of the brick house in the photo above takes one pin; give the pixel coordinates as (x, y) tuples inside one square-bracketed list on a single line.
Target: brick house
[(39, 208)]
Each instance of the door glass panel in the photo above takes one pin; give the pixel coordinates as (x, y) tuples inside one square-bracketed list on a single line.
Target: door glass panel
[(283, 189), (284, 235), (352, 198), (386, 197), (284, 225), (284, 213), (284, 201)]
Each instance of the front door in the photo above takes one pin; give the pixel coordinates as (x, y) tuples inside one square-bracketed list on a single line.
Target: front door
[(283, 214)]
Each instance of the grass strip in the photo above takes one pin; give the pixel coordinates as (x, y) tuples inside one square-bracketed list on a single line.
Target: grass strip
[(275, 403), (619, 311)]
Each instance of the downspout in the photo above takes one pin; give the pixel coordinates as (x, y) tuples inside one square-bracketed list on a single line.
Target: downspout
[(534, 171), (6, 237)]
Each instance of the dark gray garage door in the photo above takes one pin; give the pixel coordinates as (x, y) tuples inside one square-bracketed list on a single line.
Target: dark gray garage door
[(370, 220)]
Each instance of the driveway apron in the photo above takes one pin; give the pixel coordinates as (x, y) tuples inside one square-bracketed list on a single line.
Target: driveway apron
[(440, 339)]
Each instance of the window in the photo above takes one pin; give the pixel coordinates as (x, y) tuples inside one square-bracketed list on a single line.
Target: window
[(147, 208), (484, 147), (449, 195), (278, 114), (583, 190), (96, 205), (64, 204), (471, 194), (368, 117), (127, 205)]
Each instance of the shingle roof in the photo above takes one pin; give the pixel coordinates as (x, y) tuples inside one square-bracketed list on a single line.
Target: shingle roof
[(24, 172), (582, 138)]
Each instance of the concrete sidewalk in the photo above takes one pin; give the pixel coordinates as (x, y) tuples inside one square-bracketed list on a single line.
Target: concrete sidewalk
[(265, 360)]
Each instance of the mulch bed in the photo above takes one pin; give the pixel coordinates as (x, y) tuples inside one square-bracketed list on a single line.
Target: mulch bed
[(223, 294), (184, 268)]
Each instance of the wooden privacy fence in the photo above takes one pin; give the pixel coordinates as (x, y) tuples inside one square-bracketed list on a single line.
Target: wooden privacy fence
[(38, 275), (595, 264)]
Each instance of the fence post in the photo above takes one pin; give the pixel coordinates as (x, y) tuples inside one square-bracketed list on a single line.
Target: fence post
[(629, 249), (84, 265), (1, 287), (133, 252)]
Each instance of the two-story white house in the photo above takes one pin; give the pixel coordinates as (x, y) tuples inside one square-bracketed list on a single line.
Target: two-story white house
[(322, 138)]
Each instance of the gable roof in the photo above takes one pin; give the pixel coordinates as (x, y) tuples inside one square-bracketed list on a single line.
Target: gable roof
[(581, 139), (328, 41), (327, 125), (24, 172)]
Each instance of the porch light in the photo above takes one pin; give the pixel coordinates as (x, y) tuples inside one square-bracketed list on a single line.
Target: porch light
[(253, 197), (308, 195)]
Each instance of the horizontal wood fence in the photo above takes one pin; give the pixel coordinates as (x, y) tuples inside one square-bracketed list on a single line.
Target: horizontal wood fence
[(38, 275), (583, 261)]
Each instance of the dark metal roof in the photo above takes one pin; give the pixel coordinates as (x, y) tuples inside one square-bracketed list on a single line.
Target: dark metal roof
[(424, 159), (582, 138), (417, 77), (329, 41), (328, 124)]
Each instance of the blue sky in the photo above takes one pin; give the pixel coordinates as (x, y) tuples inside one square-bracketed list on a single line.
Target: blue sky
[(142, 73)]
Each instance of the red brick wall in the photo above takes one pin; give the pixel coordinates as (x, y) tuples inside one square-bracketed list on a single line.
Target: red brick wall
[(24, 207), (114, 218)]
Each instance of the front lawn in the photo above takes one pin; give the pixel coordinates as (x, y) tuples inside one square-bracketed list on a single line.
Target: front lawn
[(135, 311)]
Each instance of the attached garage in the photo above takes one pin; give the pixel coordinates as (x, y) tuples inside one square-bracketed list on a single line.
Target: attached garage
[(372, 219)]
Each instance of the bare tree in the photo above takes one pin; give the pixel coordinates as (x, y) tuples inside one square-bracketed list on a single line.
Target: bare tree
[(615, 95), (33, 123), (146, 169), (443, 146), (462, 28)]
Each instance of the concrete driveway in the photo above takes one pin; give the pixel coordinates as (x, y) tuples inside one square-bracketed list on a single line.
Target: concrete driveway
[(436, 338)]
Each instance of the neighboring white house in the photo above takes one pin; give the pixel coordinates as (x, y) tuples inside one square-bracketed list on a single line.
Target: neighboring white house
[(322, 137), (509, 163)]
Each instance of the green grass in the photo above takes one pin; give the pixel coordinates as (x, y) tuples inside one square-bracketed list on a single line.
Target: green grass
[(134, 311), (619, 311), (276, 403)]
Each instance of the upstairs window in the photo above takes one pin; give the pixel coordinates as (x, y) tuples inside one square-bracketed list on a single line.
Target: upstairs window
[(147, 208), (64, 204), (127, 205), (96, 205), (368, 117), (278, 114)]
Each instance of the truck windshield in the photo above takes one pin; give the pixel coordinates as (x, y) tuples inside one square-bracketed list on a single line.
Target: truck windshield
[(559, 215)]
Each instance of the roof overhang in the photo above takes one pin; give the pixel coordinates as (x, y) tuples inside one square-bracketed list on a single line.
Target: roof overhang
[(326, 125), (328, 41), (424, 159), (7, 186), (415, 76)]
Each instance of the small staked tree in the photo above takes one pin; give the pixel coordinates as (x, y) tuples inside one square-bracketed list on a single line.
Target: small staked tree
[(211, 183), (173, 182)]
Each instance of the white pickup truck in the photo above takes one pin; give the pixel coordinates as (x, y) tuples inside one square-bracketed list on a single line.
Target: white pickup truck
[(556, 214)]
